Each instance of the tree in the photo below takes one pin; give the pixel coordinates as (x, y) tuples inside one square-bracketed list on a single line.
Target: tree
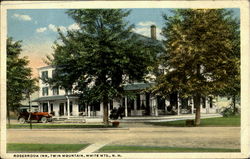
[(200, 54), (100, 57), (19, 77)]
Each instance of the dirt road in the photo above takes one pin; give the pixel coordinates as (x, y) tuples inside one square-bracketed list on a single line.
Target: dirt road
[(207, 137)]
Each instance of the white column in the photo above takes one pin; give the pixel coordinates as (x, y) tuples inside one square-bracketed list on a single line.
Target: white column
[(179, 104), (167, 103), (156, 106), (207, 104), (49, 107), (68, 106), (192, 106), (40, 107), (88, 111), (126, 106), (109, 108)]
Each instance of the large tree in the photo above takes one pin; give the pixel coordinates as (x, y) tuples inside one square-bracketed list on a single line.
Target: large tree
[(201, 55), (101, 56), (20, 83)]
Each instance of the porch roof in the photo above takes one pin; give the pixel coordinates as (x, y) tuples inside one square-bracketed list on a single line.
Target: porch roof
[(50, 98), (137, 86)]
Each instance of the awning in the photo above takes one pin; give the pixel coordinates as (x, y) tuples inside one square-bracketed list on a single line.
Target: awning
[(51, 98), (137, 86)]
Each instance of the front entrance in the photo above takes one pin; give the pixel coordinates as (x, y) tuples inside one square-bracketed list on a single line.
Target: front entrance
[(61, 109), (147, 109), (45, 107)]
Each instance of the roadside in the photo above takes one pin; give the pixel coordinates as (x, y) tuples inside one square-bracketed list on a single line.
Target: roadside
[(209, 137)]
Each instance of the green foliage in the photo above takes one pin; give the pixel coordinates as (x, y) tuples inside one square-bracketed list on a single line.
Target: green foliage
[(229, 111), (101, 56), (19, 76), (202, 52)]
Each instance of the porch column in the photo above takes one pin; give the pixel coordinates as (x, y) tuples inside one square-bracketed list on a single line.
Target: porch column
[(68, 111), (167, 103), (207, 105), (109, 108), (126, 106), (192, 106), (155, 106), (178, 104), (49, 107), (88, 111)]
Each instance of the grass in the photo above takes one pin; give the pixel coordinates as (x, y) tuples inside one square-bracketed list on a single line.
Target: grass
[(55, 126), (220, 121), (19, 147), (162, 149)]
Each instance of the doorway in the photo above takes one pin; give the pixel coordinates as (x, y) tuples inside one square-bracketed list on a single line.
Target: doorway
[(61, 109)]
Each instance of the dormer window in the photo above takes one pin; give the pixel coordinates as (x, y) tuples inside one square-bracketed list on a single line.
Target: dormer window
[(44, 74), (161, 71)]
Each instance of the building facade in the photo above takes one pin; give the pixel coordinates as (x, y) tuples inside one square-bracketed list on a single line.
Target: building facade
[(138, 103)]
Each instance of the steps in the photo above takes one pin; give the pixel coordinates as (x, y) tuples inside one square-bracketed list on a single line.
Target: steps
[(72, 119)]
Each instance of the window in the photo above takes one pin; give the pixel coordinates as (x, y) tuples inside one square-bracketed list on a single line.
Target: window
[(45, 107), (68, 91), (161, 71), (81, 107), (51, 107), (203, 102), (45, 91), (138, 102), (53, 73), (211, 102), (161, 102), (95, 106), (55, 91), (44, 74), (131, 104)]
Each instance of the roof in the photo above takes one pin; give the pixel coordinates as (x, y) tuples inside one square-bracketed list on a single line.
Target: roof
[(137, 86), (51, 98)]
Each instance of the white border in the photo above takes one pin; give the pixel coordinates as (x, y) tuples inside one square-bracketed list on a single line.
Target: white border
[(245, 60)]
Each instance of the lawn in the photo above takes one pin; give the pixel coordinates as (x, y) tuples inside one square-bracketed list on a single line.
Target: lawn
[(19, 147), (220, 121), (161, 149), (55, 126)]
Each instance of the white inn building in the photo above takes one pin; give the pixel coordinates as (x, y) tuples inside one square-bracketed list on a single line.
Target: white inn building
[(143, 104)]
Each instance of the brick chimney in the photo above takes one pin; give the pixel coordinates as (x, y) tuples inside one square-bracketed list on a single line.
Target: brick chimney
[(153, 32)]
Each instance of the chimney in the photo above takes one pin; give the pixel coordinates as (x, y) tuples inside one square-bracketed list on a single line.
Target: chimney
[(153, 32)]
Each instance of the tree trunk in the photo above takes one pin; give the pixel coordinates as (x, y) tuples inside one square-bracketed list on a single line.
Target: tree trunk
[(234, 105), (105, 110), (197, 103)]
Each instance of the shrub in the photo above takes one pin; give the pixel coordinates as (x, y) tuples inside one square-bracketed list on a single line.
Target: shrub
[(229, 111)]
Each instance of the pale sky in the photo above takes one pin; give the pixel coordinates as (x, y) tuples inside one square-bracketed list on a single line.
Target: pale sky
[(37, 28)]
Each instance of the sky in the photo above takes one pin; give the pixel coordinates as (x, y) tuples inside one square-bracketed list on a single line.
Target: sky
[(37, 28)]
